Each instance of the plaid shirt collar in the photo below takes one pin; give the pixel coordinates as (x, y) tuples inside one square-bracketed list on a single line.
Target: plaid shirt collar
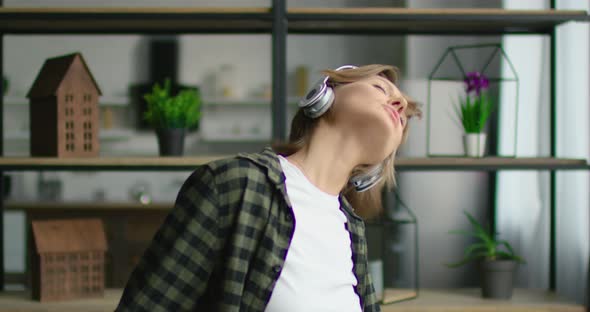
[(269, 160)]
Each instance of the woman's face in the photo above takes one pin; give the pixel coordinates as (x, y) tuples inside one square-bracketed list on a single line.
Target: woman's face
[(373, 111)]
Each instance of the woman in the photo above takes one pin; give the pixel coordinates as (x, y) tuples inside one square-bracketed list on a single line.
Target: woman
[(274, 231)]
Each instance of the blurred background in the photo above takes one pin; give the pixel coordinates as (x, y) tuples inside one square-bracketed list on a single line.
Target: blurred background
[(233, 74)]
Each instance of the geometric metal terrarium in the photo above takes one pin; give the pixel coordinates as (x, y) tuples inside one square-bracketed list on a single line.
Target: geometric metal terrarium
[(446, 84), (393, 251)]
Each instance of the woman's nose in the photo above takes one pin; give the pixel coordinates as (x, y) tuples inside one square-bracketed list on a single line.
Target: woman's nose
[(400, 104)]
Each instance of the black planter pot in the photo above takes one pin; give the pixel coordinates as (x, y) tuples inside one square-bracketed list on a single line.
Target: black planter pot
[(171, 141), (497, 282)]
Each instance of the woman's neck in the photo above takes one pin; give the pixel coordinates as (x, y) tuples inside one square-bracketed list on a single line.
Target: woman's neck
[(327, 160)]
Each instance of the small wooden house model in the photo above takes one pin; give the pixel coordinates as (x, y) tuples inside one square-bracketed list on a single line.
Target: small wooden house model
[(64, 109), (68, 259)]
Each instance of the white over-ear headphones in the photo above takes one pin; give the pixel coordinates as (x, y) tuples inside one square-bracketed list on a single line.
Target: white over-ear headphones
[(317, 101)]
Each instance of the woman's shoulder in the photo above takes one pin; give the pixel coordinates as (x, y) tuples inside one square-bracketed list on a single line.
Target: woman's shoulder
[(244, 177), (245, 166)]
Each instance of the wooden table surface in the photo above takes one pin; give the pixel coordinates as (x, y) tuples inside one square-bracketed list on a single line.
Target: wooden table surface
[(429, 300), (469, 300)]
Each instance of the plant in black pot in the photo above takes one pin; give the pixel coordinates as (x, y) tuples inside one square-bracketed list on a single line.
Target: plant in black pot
[(497, 260), (171, 116)]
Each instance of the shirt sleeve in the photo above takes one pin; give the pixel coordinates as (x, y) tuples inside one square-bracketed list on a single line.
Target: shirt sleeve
[(175, 268), (371, 304)]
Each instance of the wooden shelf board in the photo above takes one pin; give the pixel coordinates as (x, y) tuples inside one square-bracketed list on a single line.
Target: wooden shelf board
[(190, 162), (489, 163), (429, 300), (395, 295), (105, 163), (135, 20), (470, 300), (73, 205), (22, 302), (434, 12), (427, 21), (138, 10)]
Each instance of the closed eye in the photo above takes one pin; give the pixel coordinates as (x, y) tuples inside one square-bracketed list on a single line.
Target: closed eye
[(380, 88)]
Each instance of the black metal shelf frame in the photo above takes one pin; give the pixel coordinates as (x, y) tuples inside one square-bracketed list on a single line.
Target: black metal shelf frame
[(264, 20), (121, 22), (1, 154), (278, 22), (427, 23), (553, 153)]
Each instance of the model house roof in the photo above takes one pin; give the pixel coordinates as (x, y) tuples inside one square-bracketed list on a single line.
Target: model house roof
[(75, 235), (52, 74)]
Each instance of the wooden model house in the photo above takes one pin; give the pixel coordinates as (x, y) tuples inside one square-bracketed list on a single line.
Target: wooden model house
[(68, 259), (64, 109)]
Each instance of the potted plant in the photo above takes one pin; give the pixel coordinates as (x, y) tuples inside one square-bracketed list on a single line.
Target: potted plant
[(474, 111), (497, 266), (171, 115)]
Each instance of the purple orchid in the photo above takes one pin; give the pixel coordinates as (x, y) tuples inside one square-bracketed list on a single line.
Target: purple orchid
[(476, 81)]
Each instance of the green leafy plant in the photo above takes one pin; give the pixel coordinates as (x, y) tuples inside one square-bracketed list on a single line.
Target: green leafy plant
[(487, 247), (5, 84), (167, 111), (476, 107)]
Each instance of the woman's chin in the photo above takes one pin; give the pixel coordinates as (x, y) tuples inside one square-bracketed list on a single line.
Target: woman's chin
[(378, 143), (378, 153)]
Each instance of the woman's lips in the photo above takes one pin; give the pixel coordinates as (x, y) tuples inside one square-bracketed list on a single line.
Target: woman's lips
[(393, 114)]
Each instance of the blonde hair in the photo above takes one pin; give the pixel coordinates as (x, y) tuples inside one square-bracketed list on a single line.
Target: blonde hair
[(366, 204)]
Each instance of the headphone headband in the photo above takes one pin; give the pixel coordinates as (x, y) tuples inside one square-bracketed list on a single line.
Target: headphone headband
[(343, 67)]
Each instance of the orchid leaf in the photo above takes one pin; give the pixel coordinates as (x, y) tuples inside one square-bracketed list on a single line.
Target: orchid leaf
[(473, 248), (507, 245), (479, 230), (486, 247), (461, 232)]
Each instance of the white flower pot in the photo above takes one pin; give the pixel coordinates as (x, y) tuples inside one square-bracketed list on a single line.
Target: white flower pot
[(474, 144)]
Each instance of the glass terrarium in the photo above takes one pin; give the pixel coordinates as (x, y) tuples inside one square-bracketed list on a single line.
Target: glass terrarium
[(468, 89), (393, 251)]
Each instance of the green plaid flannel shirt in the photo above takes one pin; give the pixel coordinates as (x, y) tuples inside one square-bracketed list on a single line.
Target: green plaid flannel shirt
[(223, 245)]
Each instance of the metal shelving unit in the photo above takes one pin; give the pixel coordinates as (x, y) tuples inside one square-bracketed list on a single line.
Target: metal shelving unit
[(278, 21)]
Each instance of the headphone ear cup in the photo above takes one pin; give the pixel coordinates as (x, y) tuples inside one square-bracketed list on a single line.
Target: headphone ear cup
[(321, 105), (318, 100), (364, 181)]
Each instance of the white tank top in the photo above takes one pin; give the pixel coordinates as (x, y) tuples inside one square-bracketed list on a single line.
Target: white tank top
[(318, 271)]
